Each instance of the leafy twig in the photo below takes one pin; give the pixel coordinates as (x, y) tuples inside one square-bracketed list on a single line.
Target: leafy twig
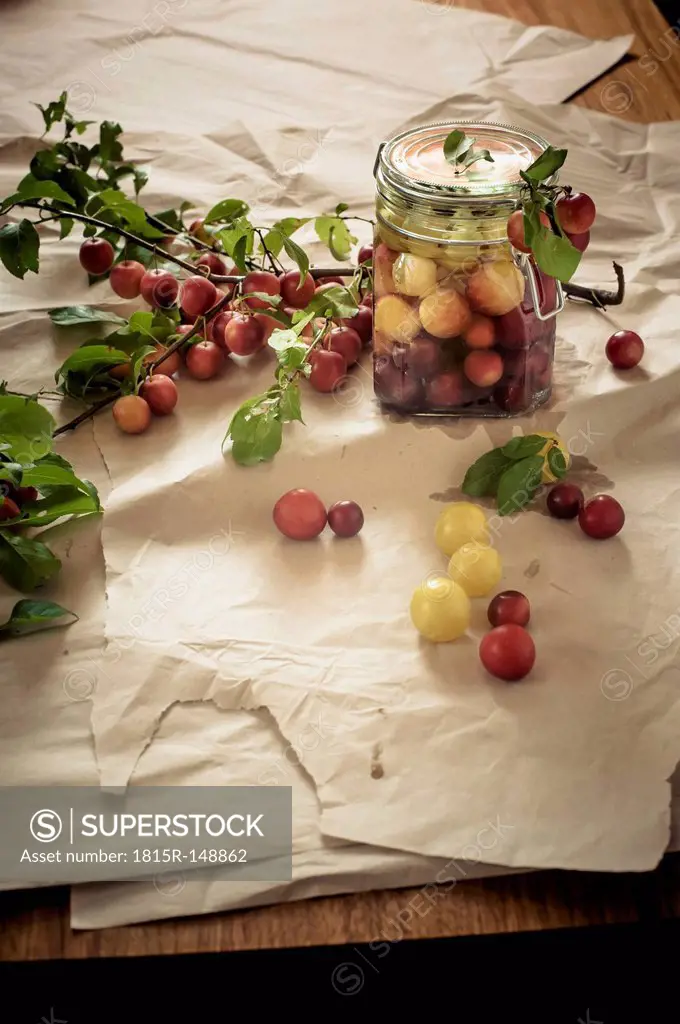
[(179, 342), (124, 233)]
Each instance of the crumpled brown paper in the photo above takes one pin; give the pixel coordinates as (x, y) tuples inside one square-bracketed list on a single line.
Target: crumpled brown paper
[(348, 647), (424, 746)]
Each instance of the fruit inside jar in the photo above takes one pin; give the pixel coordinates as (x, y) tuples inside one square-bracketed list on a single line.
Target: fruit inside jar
[(456, 329)]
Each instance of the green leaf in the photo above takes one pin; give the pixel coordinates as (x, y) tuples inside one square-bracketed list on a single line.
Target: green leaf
[(523, 447), (82, 126), (61, 503), (32, 616), (334, 233), (518, 484), (271, 300), (33, 188), (139, 180), (44, 473), (231, 236), (290, 409), (69, 316), (290, 350), (286, 227), (11, 472), (133, 215), (226, 210), (456, 144), (65, 227), (137, 360), (341, 208), (26, 428), (555, 255), (263, 442), (479, 154), (52, 459), (338, 300), (173, 218), (240, 252), (90, 358), (142, 323), (481, 479), (19, 245), (557, 463), (531, 210), (26, 563), (298, 254), (546, 164), (239, 425), (74, 153), (54, 111), (46, 163), (109, 146)]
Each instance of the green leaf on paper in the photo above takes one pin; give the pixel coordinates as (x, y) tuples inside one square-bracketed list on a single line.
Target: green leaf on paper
[(26, 428), (522, 447), (290, 405), (518, 484), (557, 463), (70, 316), (30, 616), (91, 358), (483, 476), (19, 246), (262, 444), (62, 503), (26, 563)]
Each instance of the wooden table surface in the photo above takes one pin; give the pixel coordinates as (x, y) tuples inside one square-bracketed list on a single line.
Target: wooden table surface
[(35, 925)]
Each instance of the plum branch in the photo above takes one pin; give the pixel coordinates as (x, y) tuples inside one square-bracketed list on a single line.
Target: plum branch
[(178, 343), (599, 297), (84, 218)]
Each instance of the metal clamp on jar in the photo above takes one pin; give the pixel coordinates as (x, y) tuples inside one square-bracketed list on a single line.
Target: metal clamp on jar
[(457, 331)]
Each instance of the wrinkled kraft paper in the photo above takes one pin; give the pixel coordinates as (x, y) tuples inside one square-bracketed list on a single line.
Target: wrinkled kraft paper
[(342, 688)]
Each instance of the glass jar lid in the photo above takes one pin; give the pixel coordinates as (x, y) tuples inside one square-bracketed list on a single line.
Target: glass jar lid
[(413, 163)]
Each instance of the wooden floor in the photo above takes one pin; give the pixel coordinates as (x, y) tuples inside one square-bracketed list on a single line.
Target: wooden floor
[(35, 925), (644, 89)]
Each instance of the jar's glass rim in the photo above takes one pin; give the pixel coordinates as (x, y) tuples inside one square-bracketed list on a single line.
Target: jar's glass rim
[(413, 187)]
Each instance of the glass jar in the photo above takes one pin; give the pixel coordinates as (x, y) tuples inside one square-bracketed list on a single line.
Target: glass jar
[(464, 324)]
